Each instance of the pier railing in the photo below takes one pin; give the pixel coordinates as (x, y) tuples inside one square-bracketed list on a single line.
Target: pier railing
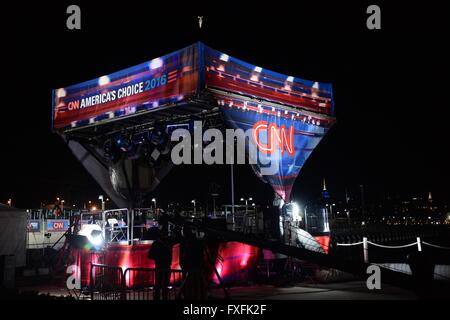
[(365, 245), (441, 272)]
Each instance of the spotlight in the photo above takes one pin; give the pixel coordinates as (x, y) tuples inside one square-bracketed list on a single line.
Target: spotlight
[(93, 233), (61, 93), (110, 151), (156, 63), (103, 80), (224, 57), (158, 136), (96, 238), (123, 143), (296, 212)]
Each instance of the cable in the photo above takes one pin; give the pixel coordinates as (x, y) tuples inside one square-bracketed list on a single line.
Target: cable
[(392, 247), (435, 245), (349, 244)]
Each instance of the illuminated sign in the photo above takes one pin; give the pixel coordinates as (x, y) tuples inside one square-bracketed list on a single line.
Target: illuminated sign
[(57, 225), (275, 136), (33, 226), (176, 77), (153, 84)]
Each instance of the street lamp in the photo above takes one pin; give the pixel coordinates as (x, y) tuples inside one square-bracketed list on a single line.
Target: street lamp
[(246, 203), (9, 202), (331, 210), (154, 201), (193, 201), (100, 197), (214, 195)]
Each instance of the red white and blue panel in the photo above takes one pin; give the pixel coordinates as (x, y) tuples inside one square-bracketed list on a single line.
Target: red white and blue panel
[(288, 115), (154, 84)]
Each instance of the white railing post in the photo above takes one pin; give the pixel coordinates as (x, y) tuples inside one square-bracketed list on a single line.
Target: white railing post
[(366, 250), (419, 244)]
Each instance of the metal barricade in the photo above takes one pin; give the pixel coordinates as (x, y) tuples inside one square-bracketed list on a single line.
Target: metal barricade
[(139, 283), (111, 283), (106, 282)]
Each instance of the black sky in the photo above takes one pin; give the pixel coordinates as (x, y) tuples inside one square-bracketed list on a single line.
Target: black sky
[(391, 90)]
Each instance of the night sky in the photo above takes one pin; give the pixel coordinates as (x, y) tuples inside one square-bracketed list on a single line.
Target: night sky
[(390, 87)]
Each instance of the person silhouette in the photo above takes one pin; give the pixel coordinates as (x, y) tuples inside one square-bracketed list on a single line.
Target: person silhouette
[(161, 253)]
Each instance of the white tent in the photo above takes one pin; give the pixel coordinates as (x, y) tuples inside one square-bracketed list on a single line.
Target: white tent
[(13, 233)]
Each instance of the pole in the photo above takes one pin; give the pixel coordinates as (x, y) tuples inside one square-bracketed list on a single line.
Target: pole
[(419, 244), (227, 296), (128, 226), (232, 189), (363, 210), (103, 224), (132, 226), (306, 219), (366, 250)]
